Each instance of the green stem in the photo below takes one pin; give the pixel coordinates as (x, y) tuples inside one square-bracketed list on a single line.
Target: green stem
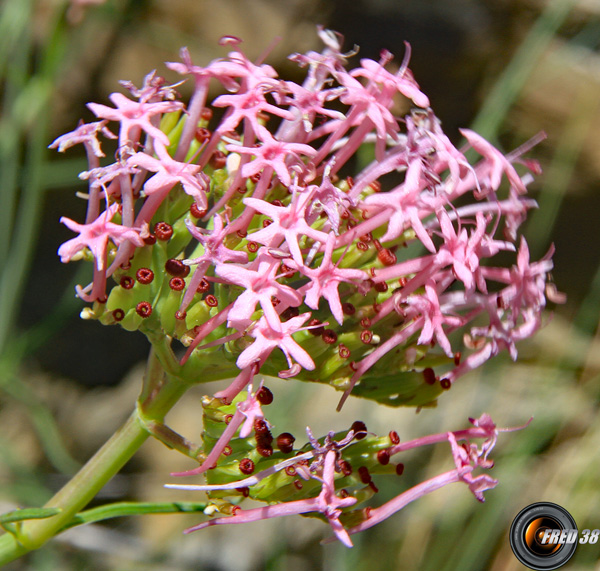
[(78, 492)]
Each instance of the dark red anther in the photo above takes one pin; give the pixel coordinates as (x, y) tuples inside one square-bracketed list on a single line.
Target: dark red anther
[(252, 247), (446, 384), (349, 182), (348, 309), (149, 240), (316, 331), (218, 160), (267, 222), (276, 202), (285, 442), (394, 438), (180, 315), (376, 186), (263, 439), (227, 450), (429, 376), (399, 469), (457, 357), (143, 309), (329, 336), (126, 266), (246, 466), (343, 493), (211, 300), (206, 113), (363, 474), (343, 351), (163, 231), (359, 428), (380, 287), (373, 486), (265, 451), (362, 246), (177, 284), (264, 396), (366, 336), (352, 365), (289, 313), (144, 276), (126, 282), (376, 307), (176, 267), (255, 177), (243, 189), (365, 322), (245, 491), (202, 134), (367, 238), (387, 257), (203, 286), (260, 425), (290, 471), (228, 418), (383, 457), (118, 314), (197, 212), (298, 484), (242, 233), (345, 467), (102, 299)]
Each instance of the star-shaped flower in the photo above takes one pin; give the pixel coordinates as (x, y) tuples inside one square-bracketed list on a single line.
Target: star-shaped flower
[(326, 279), (96, 235), (289, 223), (135, 117), (261, 286), (267, 338), (169, 172), (275, 154)]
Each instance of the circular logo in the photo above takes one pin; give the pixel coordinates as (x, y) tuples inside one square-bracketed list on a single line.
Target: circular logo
[(543, 536)]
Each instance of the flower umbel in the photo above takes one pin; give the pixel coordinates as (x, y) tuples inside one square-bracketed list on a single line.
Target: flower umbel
[(246, 241)]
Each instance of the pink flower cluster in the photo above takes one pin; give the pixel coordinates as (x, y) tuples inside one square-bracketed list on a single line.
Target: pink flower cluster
[(304, 220), (294, 261)]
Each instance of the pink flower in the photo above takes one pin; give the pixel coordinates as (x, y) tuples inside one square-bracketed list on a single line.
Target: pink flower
[(86, 134), (325, 280), (215, 252), (96, 235), (274, 154), (289, 224), (260, 286), (135, 117), (268, 337)]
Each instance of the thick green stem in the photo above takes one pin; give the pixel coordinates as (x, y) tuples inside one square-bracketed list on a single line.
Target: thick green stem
[(78, 492)]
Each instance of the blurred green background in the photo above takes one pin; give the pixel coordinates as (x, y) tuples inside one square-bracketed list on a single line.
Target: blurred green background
[(509, 69)]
